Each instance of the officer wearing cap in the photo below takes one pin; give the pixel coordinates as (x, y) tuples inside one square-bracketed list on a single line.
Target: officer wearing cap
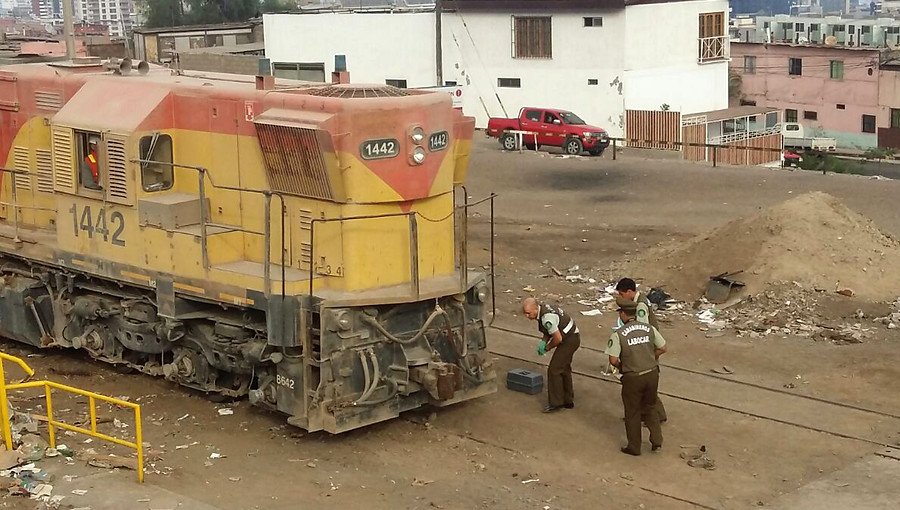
[(90, 167), (560, 333), (627, 289), (634, 349)]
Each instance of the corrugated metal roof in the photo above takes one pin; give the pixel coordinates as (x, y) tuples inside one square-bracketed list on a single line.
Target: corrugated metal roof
[(731, 113)]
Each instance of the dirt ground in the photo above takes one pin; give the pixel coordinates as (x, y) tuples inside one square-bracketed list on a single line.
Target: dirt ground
[(500, 451)]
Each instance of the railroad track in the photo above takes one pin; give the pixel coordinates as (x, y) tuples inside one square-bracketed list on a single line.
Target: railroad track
[(754, 386)]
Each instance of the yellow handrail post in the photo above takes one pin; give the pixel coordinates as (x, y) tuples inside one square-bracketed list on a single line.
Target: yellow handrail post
[(139, 440), (93, 411), (4, 410), (50, 428)]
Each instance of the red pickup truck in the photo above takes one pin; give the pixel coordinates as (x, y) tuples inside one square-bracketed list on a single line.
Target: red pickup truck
[(557, 128)]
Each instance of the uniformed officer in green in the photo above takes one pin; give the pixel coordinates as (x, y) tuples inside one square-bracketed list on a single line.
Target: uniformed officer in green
[(560, 333), (634, 349), (627, 289)]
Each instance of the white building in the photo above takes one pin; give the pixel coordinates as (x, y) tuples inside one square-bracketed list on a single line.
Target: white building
[(118, 15), (597, 58)]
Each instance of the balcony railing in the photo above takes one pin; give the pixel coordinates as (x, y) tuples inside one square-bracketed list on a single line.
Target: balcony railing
[(713, 49)]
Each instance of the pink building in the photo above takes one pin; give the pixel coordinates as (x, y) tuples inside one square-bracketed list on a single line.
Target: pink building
[(832, 91)]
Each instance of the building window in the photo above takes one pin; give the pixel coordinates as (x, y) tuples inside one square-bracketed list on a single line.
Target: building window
[(839, 106), (450, 83), (593, 22), (810, 115), (798, 27), (749, 65), (813, 27), (790, 115), (747, 102), (400, 84), (837, 69), (513, 83), (895, 118), (532, 37), (299, 71), (593, 81), (868, 123), (795, 66), (713, 41)]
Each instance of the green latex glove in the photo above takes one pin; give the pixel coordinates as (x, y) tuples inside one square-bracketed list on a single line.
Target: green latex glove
[(542, 348)]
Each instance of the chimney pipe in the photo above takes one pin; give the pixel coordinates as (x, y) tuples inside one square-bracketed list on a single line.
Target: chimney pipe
[(69, 29)]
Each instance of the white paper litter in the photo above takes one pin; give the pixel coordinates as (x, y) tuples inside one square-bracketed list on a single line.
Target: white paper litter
[(591, 313)]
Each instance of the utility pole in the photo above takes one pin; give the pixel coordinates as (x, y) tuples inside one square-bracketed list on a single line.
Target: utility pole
[(69, 28), (438, 47)]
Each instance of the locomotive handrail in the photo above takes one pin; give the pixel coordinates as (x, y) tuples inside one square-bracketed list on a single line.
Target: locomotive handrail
[(267, 233)]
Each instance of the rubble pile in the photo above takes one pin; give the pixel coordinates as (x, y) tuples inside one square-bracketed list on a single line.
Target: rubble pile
[(788, 311), (813, 241)]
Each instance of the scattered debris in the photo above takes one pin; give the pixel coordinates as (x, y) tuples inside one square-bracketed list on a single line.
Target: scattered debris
[(111, 461), (846, 292), (591, 313), (226, 411), (698, 457), (528, 288), (530, 480), (421, 483), (725, 370)]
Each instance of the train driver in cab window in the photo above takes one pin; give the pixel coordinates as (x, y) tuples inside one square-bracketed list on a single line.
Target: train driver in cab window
[(90, 165)]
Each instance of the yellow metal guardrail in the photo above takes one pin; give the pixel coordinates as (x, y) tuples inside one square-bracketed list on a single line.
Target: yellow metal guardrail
[(53, 424)]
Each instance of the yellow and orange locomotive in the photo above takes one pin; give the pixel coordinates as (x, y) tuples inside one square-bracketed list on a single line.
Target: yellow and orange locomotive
[(296, 243)]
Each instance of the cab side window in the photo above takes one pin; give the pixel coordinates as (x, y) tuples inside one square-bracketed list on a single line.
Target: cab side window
[(156, 162), (549, 118), (533, 115), (91, 168)]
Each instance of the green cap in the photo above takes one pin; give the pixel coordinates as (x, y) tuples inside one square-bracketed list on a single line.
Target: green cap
[(626, 305)]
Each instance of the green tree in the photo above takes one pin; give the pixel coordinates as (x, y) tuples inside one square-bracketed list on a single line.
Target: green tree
[(168, 13), (276, 5), (162, 13)]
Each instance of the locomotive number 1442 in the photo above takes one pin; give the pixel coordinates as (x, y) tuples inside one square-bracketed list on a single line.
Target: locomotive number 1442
[(103, 224)]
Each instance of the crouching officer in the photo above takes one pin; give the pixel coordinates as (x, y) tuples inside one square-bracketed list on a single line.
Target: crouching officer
[(634, 349), (560, 333)]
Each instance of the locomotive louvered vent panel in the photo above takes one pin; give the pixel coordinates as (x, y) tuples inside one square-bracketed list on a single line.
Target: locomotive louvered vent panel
[(20, 163), (48, 100), (63, 175), (352, 91), (294, 160), (305, 247), (44, 165), (118, 179)]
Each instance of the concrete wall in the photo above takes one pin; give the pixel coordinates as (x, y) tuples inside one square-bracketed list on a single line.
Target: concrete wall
[(814, 90), (638, 60), (214, 62)]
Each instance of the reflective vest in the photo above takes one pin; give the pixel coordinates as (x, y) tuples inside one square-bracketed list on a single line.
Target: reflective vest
[(566, 324), (91, 160), (638, 347)]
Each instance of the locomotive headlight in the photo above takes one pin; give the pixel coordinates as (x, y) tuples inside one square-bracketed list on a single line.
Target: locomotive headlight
[(343, 320), (481, 292), (418, 156), (417, 135)]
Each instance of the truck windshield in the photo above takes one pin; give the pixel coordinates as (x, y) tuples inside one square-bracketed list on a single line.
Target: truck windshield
[(571, 118)]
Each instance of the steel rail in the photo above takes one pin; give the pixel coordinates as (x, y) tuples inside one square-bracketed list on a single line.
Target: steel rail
[(733, 381)]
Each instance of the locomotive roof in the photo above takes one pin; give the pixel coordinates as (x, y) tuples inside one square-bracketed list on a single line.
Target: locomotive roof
[(92, 97)]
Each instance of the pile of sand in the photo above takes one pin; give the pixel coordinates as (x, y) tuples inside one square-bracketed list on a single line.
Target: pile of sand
[(813, 240)]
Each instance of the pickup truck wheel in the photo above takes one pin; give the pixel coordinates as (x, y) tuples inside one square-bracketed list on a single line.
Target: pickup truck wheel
[(508, 141), (573, 146)]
